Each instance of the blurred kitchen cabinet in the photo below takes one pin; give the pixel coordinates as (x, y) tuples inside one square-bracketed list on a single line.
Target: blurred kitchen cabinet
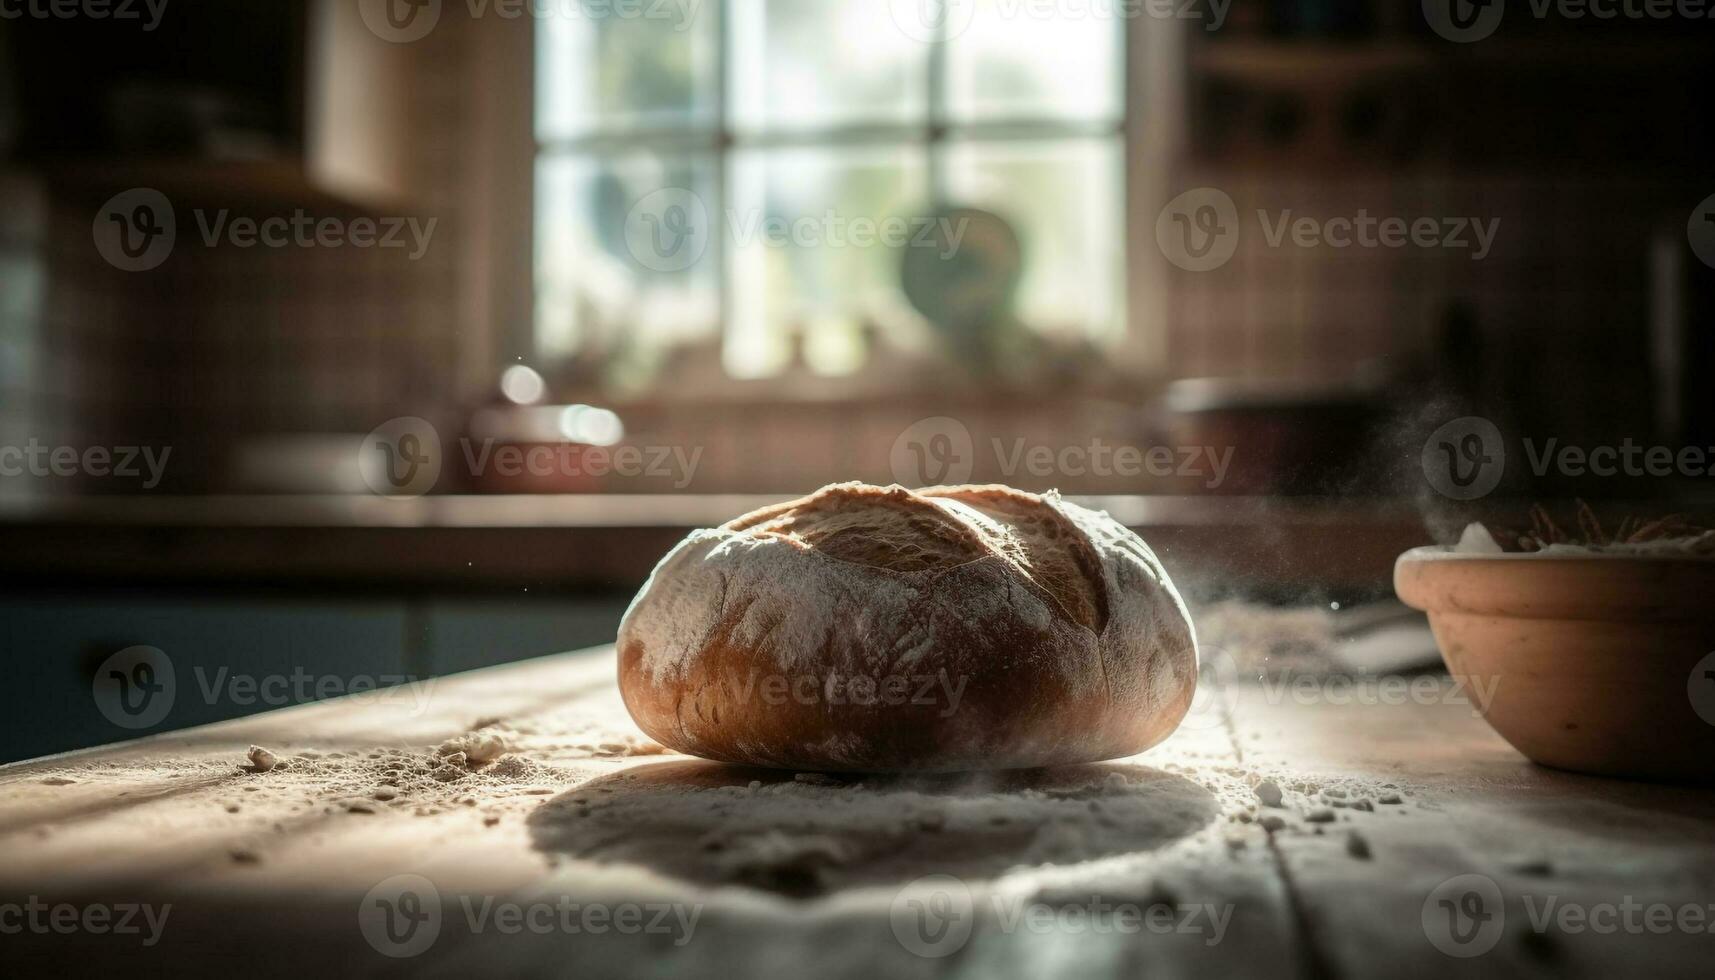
[(358, 86), (466, 634), (280, 102), (55, 646), (234, 656)]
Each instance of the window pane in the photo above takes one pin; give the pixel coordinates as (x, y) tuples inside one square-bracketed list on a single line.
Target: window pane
[(1015, 60), (1064, 199), (601, 65), (818, 63), (811, 254), (600, 288)]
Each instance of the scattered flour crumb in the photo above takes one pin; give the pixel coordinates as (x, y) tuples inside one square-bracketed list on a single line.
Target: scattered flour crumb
[(475, 748), (1357, 846), (1537, 868)]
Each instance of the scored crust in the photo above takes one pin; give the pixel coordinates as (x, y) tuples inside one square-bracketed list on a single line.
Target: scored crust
[(881, 629)]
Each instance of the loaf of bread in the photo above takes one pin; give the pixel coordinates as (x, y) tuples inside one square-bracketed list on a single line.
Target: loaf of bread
[(879, 629)]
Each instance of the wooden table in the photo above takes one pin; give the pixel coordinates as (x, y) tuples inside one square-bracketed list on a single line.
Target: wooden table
[(1167, 864)]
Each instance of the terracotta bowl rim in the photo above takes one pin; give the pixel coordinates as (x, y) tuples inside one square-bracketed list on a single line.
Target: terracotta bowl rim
[(1607, 588), (1445, 553)]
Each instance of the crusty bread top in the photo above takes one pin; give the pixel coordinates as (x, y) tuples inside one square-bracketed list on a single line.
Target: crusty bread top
[(940, 528)]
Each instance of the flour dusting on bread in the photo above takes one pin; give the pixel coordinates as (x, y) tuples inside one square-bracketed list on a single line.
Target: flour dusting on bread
[(1074, 640)]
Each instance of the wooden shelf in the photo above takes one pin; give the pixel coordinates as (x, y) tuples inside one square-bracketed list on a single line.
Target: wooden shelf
[(281, 182), (1301, 62)]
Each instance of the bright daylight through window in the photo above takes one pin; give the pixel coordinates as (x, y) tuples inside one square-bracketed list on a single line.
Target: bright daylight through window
[(745, 184)]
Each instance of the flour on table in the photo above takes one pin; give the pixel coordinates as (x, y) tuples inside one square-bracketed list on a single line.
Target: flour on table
[(797, 836)]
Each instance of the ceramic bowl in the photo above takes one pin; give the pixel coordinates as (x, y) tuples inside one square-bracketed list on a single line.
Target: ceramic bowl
[(1596, 663)]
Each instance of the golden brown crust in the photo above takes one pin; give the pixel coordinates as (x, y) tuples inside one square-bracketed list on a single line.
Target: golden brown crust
[(877, 629), (883, 528)]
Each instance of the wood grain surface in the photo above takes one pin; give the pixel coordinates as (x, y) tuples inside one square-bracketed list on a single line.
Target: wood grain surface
[(1389, 791)]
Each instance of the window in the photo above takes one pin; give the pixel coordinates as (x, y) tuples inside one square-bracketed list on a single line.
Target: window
[(793, 128)]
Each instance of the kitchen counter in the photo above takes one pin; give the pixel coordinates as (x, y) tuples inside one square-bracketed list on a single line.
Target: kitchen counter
[(513, 820), (571, 541)]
